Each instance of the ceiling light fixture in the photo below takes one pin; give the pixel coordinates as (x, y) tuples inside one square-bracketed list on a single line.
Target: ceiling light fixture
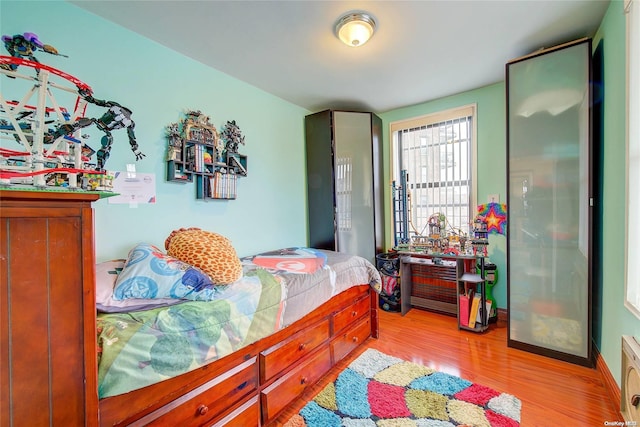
[(355, 28)]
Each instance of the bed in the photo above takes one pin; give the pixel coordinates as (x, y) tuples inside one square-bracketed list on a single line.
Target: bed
[(233, 354)]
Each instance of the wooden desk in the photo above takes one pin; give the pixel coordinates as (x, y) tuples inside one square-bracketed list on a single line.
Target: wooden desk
[(434, 282)]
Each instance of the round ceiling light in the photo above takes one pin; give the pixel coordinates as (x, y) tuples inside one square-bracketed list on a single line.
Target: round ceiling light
[(355, 28)]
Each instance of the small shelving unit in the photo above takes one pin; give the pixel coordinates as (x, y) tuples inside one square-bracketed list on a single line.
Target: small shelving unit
[(473, 315), (197, 154)]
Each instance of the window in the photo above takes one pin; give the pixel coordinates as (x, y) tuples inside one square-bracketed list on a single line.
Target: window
[(632, 10), (438, 154)]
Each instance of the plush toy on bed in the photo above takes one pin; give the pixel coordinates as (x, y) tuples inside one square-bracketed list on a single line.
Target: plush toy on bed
[(210, 252)]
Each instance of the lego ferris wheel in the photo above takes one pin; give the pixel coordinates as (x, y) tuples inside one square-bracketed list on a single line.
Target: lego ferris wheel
[(37, 122), (42, 110)]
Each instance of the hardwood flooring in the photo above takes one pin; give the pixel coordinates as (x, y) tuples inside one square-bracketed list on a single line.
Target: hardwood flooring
[(553, 393)]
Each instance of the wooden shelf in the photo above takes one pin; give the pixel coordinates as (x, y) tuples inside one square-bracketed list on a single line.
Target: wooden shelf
[(196, 155), (471, 278)]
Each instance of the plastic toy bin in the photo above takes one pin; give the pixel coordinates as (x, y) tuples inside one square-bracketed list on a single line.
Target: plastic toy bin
[(388, 264)]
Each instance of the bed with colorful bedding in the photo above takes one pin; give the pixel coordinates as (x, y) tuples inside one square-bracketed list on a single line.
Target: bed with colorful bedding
[(177, 348)]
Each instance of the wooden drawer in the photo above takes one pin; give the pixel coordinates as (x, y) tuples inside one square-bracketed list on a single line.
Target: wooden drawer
[(245, 415), (349, 315), (283, 391), (282, 355), (207, 401), (350, 339)]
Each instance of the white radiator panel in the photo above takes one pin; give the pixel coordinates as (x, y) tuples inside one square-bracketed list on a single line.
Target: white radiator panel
[(630, 396)]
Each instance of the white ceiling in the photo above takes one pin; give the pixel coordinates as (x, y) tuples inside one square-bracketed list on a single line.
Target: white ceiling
[(422, 50)]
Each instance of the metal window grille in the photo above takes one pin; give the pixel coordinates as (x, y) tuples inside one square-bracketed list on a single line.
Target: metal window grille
[(343, 192), (438, 160)]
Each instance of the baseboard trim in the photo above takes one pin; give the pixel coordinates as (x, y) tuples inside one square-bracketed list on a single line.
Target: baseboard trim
[(609, 382), (502, 315)]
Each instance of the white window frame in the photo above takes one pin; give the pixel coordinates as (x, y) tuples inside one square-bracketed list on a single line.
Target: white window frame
[(632, 266), (433, 118)]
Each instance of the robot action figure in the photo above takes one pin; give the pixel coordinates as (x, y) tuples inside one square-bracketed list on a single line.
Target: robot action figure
[(116, 117), (24, 46)]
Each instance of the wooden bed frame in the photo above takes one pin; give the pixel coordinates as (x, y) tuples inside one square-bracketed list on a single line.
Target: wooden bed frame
[(253, 385)]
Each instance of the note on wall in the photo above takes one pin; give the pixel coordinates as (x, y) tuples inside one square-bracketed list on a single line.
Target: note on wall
[(134, 188)]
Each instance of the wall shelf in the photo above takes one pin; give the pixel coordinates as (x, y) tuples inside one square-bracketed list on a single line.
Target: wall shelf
[(197, 153)]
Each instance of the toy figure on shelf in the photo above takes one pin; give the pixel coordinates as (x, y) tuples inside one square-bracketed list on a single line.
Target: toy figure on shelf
[(24, 46), (437, 223), (480, 239), (232, 136), (116, 117), (174, 140)]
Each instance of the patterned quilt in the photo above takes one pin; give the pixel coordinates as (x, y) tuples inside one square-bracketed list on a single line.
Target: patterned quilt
[(140, 348)]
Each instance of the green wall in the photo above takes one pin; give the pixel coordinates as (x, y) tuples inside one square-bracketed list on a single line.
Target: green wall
[(491, 154), (158, 85), (616, 319)]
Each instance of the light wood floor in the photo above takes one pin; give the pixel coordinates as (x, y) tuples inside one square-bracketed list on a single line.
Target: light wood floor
[(553, 393)]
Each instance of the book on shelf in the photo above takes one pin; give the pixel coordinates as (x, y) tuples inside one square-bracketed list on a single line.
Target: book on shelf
[(473, 313), (195, 156), (486, 319), (465, 306), (223, 185)]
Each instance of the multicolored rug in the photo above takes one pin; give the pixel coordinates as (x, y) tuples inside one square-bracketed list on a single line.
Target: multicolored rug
[(378, 390)]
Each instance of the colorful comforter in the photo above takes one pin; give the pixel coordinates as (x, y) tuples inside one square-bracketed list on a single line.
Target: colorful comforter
[(137, 349)]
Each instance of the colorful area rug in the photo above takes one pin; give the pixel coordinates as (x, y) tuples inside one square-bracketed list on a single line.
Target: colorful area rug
[(378, 390)]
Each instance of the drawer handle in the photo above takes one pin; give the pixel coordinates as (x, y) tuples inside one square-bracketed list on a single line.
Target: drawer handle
[(203, 409), (303, 380), (354, 313), (354, 339), (302, 346)]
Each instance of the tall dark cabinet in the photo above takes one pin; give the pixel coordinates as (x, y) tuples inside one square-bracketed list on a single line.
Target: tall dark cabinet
[(344, 182), (549, 188)]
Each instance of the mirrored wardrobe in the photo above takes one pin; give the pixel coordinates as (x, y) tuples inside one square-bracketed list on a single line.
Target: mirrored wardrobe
[(549, 202)]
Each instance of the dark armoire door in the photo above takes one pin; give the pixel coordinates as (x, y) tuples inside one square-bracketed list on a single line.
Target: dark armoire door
[(344, 182), (550, 202)]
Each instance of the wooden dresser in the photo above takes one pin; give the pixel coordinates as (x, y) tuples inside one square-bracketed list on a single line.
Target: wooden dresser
[(47, 351)]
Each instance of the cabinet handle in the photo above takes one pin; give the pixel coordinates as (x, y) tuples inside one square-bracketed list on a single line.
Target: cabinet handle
[(354, 313), (635, 400), (354, 339), (303, 380), (302, 346), (203, 409)]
